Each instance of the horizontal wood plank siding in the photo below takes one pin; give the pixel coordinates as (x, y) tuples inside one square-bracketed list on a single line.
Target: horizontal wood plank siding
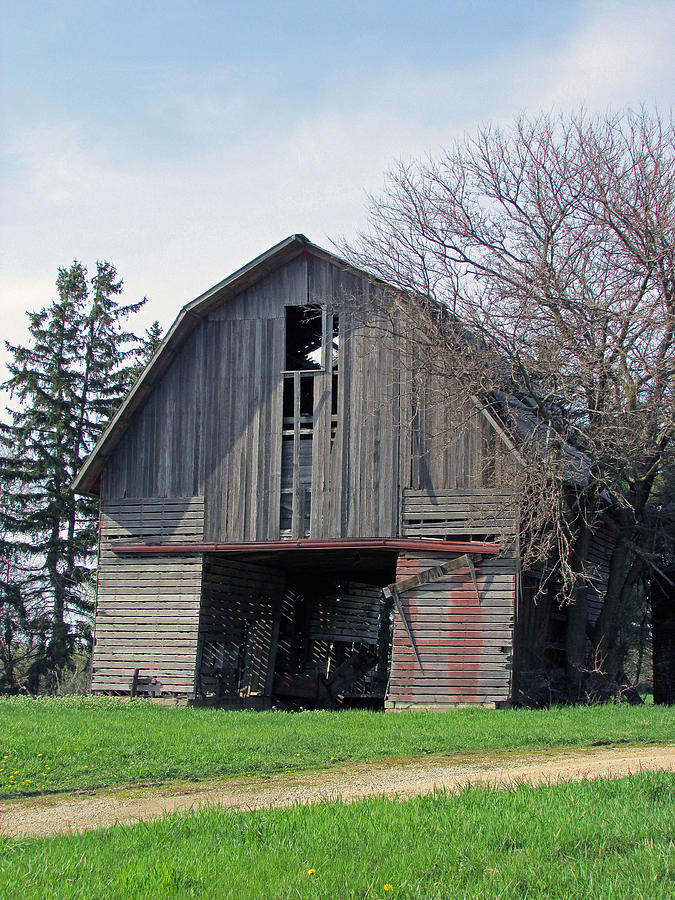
[(147, 614), (458, 512), (463, 640)]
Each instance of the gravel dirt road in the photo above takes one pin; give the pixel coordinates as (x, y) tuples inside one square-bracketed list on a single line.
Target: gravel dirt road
[(48, 815)]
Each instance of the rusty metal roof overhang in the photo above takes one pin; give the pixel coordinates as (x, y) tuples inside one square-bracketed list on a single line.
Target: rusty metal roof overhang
[(308, 544)]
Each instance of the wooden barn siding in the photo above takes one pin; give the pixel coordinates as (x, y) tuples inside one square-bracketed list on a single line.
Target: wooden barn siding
[(600, 551), (458, 512), (464, 642), (213, 425), (147, 614), (447, 450), (160, 454)]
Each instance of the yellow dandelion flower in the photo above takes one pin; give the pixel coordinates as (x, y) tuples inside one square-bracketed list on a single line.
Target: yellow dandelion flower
[(332, 758), (311, 871), (39, 754), (388, 887), (86, 767)]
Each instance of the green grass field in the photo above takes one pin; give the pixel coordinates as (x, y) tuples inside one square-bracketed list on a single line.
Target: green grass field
[(57, 744), (601, 839)]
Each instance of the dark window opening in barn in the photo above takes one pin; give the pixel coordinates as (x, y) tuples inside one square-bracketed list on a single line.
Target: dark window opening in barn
[(297, 629), (304, 338), (310, 382), (296, 455), (306, 400)]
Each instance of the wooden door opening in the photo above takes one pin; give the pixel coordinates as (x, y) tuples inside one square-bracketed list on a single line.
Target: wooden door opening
[(294, 629)]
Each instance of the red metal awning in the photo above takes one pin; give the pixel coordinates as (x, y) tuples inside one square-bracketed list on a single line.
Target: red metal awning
[(424, 544)]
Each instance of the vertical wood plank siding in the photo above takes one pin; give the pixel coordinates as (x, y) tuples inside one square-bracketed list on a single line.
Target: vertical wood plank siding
[(147, 614), (213, 424)]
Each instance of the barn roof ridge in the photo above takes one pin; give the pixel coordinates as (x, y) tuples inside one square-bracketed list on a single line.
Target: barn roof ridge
[(185, 322)]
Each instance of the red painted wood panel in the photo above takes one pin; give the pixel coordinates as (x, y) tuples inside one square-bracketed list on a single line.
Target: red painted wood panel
[(463, 639)]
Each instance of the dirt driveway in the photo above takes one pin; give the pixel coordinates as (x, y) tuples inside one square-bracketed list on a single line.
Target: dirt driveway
[(44, 816)]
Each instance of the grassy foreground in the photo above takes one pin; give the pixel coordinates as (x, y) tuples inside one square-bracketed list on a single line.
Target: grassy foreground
[(609, 839), (65, 744)]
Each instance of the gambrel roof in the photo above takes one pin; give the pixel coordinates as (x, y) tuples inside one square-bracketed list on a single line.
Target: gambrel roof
[(87, 479)]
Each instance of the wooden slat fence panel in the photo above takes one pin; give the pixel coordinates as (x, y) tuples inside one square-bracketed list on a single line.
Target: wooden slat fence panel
[(353, 616)]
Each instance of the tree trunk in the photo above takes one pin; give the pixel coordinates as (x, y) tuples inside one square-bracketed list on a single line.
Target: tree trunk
[(577, 614), (606, 628)]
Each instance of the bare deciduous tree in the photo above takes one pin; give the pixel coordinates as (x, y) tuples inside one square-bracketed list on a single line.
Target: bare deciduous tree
[(551, 246)]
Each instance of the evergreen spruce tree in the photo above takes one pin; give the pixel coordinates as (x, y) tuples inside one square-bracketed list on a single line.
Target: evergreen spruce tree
[(17, 630), (68, 381), (148, 345)]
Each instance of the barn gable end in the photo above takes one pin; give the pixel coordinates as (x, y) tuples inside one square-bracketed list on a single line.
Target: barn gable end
[(289, 471)]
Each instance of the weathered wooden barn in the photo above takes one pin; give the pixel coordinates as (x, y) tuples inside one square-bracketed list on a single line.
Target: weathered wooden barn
[(287, 518)]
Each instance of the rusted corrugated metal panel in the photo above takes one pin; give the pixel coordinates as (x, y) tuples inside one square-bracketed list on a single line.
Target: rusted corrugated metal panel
[(463, 640)]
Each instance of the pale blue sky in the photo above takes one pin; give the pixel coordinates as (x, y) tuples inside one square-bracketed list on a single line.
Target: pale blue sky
[(179, 139)]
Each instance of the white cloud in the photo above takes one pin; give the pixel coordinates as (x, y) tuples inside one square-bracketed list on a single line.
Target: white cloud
[(622, 56)]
